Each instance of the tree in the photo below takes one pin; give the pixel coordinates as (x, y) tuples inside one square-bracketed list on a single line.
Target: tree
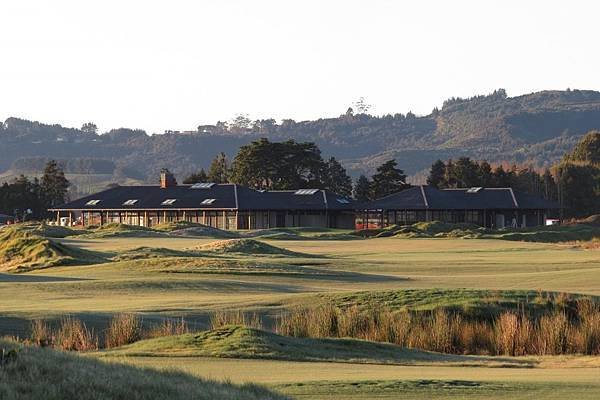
[(466, 173), (388, 180), (219, 169), (89, 127), (437, 174), (278, 165), (362, 189), (336, 179), (361, 106), (54, 185), (198, 177), (587, 150)]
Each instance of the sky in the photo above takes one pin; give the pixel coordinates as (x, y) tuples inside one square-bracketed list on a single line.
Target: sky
[(159, 65)]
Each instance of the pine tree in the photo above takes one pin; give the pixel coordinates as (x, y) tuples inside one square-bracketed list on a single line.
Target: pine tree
[(219, 169), (437, 174), (54, 185), (362, 189), (336, 179), (388, 180)]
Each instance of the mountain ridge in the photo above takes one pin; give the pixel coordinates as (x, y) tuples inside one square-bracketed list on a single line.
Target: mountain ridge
[(536, 128)]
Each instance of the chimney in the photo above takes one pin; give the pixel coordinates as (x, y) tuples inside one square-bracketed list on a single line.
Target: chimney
[(167, 179)]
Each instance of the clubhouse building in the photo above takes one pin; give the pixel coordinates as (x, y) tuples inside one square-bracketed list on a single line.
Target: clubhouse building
[(234, 207)]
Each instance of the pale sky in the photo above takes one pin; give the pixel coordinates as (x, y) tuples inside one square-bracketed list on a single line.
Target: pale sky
[(174, 64)]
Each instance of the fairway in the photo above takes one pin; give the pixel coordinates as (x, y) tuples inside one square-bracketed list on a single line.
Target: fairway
[(176, 283)]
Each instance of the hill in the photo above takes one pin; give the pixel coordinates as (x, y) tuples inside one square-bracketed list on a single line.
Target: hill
[(537, 128), (32, 373)]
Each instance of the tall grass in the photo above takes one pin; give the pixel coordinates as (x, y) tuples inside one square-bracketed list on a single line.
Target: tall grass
[(168, 328), (219, 319), (123, 329), (510, 333), (74, 335)]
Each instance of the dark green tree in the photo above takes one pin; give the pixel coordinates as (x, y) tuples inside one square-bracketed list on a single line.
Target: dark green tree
[(362, 189), (336, 179), (219, 169), (278, 165), (387, 180), (54, 184), (198, 177), (437, 174)]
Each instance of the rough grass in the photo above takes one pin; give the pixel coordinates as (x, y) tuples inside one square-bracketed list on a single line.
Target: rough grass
[(22, 251), (437, 229), (32, 373), (45, 230), (184, 228), (121, 230), (247, 246), (241, 342), (145, 253), (472, 303)]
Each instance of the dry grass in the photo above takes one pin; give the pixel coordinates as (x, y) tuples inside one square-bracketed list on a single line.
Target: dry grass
[(168, 328), (510, 333), (123, 329), (74, 335), (219, 319)]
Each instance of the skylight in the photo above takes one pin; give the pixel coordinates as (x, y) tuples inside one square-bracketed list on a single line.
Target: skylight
[(130, 202), (343, 201), (474, 189), (202, 185), (208, 201), (168, 202), (306, 191), (92, 203)]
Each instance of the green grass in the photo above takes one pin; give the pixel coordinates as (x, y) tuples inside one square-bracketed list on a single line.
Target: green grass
[(33, 373), (437, 389), (248, 247), (240, 342), (470, 302)]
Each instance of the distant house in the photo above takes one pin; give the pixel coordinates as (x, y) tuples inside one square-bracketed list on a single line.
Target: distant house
[(224, 206), (487, 207)]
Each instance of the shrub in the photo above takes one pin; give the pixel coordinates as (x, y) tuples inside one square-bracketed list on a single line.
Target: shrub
[(41, 334)]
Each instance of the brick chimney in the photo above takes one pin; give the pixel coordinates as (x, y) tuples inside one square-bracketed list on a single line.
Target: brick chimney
[(167, 179)]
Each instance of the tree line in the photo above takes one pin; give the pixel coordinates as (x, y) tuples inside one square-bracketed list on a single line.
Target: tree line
[(574, 181), (288, 165), (26, 198)]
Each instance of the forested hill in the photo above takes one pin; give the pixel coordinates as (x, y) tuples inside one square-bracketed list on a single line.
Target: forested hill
[(537, 128)]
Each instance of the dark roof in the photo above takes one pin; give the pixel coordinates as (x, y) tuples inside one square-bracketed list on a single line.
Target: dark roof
[(226, 196), (428, 197)]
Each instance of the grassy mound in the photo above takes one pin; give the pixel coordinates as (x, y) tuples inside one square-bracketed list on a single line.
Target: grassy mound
[(246, 246), (22, 251), (144, 253), (551, 234), (45, 230), (33, 373), (240, 342), (182, 228), (122, 230)]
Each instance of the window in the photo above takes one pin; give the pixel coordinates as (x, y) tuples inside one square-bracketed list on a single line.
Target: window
[(202, 185), (92, 203), (130, 202), (306, 191), (208, 201), (474, 189), (168, 202), (343, 201)]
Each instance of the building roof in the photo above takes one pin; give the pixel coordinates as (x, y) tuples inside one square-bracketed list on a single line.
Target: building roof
[(430, 198), (207, 197)]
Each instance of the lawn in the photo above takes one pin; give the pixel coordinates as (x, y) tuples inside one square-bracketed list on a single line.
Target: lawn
[(392, 272)]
